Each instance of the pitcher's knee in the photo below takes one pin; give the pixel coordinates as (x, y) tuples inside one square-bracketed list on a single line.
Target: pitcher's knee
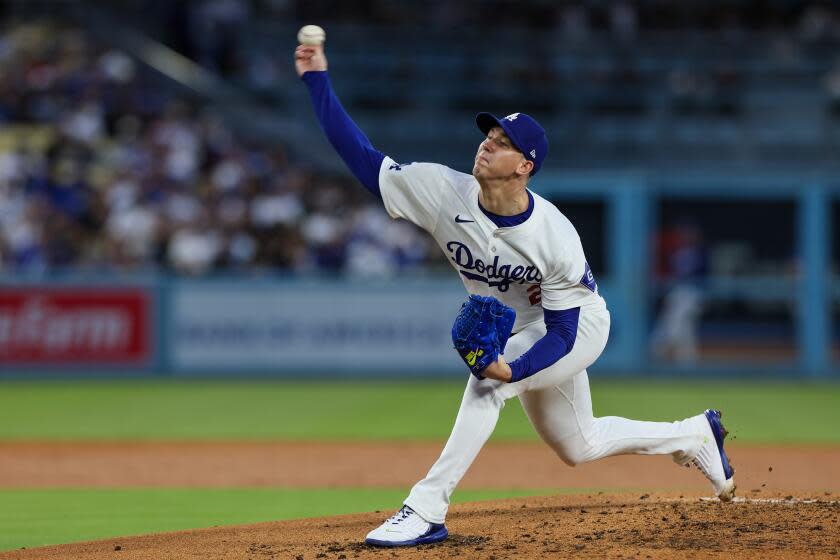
[(572, 455)]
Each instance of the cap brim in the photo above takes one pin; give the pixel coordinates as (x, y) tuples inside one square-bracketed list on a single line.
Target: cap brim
[(486, 122)]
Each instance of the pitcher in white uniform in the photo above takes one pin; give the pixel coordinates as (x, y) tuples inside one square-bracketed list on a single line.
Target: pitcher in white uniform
[(508, 242)]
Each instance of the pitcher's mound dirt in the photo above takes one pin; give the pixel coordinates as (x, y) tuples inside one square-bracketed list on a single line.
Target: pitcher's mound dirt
[(789, 510), (597, 526)]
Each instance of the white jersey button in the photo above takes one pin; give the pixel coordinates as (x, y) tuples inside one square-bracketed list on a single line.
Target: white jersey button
[(493, 248)]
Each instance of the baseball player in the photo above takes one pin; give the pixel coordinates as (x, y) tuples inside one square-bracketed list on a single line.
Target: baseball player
[(506, 241)]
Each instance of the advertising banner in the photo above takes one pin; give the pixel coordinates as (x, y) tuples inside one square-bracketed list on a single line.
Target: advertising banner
[(313, 327), (68, 326)]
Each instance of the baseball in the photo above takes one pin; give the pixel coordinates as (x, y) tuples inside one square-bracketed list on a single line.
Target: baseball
[(311, 35)]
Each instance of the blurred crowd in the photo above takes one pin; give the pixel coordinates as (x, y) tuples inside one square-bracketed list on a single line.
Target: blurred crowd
[(608, 63), (623, 18), (104, 166), (101, 169)]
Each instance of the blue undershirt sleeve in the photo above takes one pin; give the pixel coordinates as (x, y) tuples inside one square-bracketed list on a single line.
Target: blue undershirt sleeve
[(348, 140), (559, 339)]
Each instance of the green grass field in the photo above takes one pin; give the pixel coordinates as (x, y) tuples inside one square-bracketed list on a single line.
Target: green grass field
[(32, 518), (338, 410), (364, 410)]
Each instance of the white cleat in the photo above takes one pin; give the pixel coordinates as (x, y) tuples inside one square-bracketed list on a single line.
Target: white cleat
[(406, 528), (712, 459)]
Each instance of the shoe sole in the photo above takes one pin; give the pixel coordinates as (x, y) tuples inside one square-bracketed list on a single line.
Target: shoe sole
[(436, 534), (714, 418)]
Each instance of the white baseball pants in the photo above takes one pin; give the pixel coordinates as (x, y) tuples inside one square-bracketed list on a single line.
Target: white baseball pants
[(558, 403)]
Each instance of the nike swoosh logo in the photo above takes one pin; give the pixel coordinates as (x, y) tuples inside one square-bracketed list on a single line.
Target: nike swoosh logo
[(472, 356), (459, 220)]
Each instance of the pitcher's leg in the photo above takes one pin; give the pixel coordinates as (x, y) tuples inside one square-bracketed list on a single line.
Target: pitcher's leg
[(475, 423), (562, 415), (484, 399)]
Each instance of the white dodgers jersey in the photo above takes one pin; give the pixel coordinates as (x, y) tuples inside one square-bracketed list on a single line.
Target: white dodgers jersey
[(534, 265)]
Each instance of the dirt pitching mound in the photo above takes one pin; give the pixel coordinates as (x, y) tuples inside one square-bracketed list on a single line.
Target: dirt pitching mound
[(790, 509), (592, 526)]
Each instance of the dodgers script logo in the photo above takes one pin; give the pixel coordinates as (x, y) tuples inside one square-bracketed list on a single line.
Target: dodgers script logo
[(494, 274)]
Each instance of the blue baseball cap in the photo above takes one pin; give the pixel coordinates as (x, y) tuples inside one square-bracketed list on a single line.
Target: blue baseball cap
[(525, 133)]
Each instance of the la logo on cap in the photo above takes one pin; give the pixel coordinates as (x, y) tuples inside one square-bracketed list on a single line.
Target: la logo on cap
[(512, 117)]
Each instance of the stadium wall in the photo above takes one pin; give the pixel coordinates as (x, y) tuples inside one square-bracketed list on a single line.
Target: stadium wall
[(282, 327)]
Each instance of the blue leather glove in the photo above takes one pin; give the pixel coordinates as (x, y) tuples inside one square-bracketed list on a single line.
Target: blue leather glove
[(481, 331)]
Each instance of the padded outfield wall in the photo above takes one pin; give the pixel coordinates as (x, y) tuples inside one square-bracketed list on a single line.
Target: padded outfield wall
[(234, 327)]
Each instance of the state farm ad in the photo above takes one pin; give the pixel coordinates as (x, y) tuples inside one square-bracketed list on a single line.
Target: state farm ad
[(74, 326)]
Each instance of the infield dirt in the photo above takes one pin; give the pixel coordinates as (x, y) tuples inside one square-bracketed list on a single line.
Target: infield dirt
[(789, 505)]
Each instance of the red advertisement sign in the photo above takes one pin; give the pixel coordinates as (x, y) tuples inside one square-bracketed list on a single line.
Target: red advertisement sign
[(72, 326)]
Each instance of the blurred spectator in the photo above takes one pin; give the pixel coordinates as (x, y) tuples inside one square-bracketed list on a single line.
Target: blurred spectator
[(573, 23), (381, 247), (831, 82), (682, 265), (214, 28), (817, 24), (194, 247), (624, 21)]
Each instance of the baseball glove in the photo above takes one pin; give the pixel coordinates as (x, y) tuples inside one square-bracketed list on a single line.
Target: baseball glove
[(481, 331)]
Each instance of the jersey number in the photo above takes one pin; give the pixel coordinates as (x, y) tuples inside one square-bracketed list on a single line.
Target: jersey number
[(535, 294)]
